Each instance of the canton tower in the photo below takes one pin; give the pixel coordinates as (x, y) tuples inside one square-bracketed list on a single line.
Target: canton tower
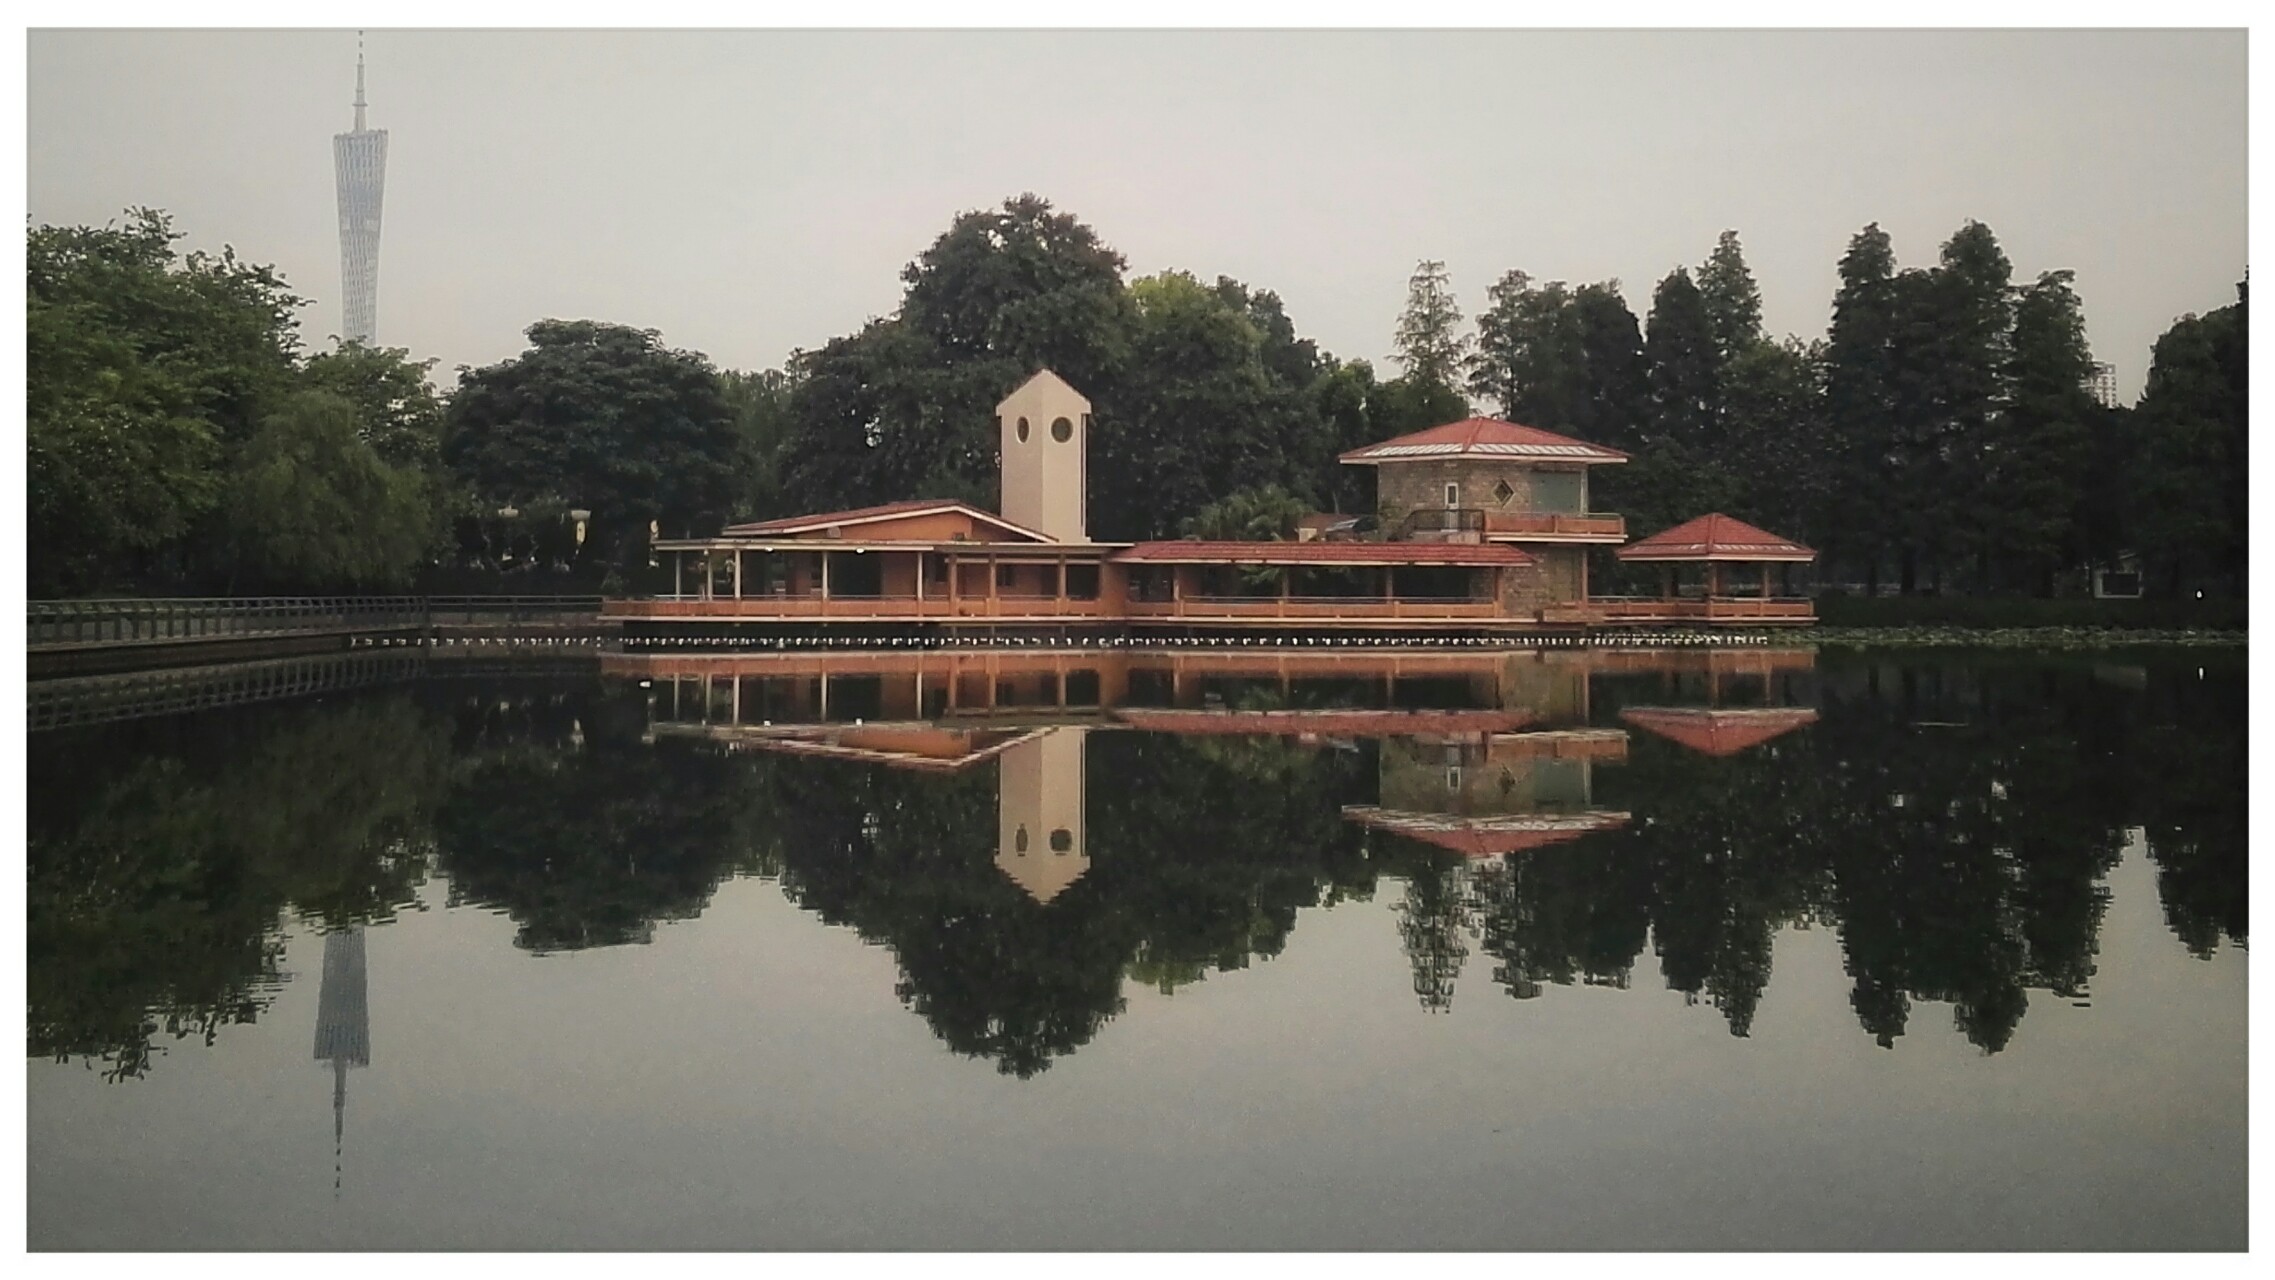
[(359, 159)]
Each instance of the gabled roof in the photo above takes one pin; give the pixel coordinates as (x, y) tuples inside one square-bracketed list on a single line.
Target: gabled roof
[(1324, 553), (1483, 437), (1485, 836), (1715, 536), (890, 511), (1719, 731)]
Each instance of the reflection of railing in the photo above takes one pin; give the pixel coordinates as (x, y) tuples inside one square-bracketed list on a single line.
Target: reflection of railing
[(1611, 528), (88, 623), (57, 704)]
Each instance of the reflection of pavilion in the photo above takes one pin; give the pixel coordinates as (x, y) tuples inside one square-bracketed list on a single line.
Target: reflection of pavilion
[(343, 1026), (1719, 731), (1494, 795)]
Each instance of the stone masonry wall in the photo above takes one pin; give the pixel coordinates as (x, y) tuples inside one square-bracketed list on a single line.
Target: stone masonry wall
[(1401, 487)]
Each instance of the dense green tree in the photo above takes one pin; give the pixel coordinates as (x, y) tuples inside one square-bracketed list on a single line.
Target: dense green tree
[(1732, 300), (1268, 514), (1684, 367), (1619, 390), (1199, 416), (1531, 364), (1431, 347), (2039, 455), (311, 505), (602, 417), (143, 368), (761, 406), (397, 410), (2193, 424), (1965, 358)]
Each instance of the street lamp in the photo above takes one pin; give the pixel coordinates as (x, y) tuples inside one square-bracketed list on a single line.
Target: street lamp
[(580, 515)]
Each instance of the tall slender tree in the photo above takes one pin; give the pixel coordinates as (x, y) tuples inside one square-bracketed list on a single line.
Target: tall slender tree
[(1431, 347)]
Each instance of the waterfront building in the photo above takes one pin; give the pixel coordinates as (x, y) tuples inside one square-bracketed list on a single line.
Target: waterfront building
[(1487, 532), (359, 165)]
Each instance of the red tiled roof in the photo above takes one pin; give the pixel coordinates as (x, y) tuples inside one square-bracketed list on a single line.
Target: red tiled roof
[(1339, 724), (1486, 437), (1715, 536), (1298, 553), (1719, 731), (890, 510), (1485, 836)]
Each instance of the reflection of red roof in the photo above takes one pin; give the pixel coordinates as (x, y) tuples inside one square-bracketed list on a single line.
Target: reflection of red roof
[(1340, 724), (1299, 553), (1484, 437), (1715, 537), (1485, 836), (1719, 731), (889, 511)]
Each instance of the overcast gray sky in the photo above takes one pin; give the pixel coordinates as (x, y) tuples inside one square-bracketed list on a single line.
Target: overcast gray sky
[(748, 193)]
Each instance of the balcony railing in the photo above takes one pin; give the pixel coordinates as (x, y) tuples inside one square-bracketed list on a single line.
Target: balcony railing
[(1589, 527), (1437, 523)]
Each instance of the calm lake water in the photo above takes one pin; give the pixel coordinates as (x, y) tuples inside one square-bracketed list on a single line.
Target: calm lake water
[(1551, 950)]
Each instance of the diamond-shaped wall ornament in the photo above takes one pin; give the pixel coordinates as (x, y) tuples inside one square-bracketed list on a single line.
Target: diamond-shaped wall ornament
[(1503, 492)]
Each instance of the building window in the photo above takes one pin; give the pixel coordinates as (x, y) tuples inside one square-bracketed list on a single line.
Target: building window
[(1022, 431), (1502, 493), (1082, 582), (1453, 777), (1062, 430), (1019, 840), (1453, 494), (1062, 841), (1006, 575)]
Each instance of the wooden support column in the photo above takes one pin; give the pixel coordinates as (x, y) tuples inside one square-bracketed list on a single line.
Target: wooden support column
[(1286, 576), (676, 592), (1765, 579), (921, 566), (823, 556), (1666, 582), (735, 690), (738, 585)]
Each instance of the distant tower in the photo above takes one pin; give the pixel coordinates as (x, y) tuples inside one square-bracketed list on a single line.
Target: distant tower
[(2102, 384), (1039, 812), (1045, 430), (359, 161), (343, 1026)]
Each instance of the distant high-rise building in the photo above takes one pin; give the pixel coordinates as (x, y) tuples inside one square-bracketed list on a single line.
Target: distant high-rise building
[(2102, 383), (359, 159)]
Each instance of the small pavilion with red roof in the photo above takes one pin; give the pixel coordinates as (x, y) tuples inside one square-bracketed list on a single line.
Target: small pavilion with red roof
[(1716, 540)]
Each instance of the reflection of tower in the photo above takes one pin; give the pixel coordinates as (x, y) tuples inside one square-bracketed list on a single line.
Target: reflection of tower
[(343, 1025), (1039, 812), (359, 163)]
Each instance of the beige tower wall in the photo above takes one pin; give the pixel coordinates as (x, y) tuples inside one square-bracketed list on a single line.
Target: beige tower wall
[(1043, 478), (1039, 812)]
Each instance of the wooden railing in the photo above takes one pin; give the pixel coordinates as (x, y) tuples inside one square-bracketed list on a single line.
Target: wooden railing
[(1592, 526), (1326, 608), (1711, 608)]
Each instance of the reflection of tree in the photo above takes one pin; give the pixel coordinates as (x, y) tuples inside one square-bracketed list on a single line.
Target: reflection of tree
[(156, 891), (580, 832), (1433, 916), (2192, 787)]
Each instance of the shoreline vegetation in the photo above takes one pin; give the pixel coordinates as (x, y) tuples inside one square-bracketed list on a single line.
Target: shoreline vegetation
[(2033, 638)]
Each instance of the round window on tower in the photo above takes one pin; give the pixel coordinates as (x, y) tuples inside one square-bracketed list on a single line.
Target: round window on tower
[(1022, 431), (1062, 430)]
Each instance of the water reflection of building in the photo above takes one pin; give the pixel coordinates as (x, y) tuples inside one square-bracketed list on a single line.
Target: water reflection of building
[(1040, 820), (343, 1026), (1491, 795), (719, 694), (1719, 731)]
